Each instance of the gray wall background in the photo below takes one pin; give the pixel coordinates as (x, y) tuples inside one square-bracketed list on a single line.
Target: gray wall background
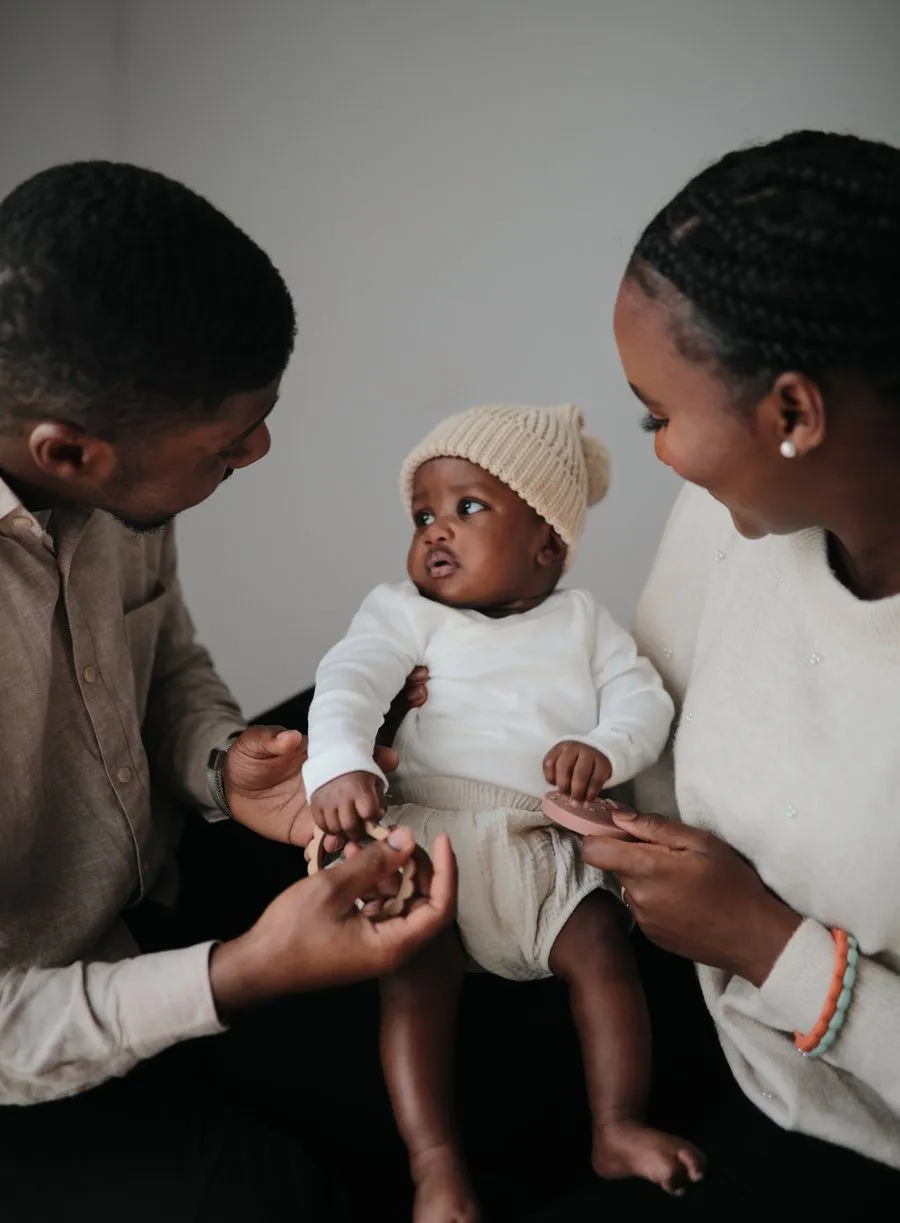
[(451, 188)]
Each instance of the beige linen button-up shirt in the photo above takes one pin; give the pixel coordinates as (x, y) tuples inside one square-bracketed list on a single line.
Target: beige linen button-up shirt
[(108, 711)]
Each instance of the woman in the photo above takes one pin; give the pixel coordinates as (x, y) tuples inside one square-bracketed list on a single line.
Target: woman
[(759, 325)]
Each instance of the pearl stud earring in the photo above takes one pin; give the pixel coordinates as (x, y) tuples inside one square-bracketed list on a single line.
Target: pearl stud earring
[(788, 449)]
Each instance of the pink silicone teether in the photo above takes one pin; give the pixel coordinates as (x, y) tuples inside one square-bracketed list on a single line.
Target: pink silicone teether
[(587, 819)]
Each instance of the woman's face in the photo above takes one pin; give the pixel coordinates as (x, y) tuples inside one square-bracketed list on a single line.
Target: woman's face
[(698, 431)]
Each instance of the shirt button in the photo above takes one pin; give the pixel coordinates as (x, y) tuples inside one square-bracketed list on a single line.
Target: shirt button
[(124, 775), (89, 674)]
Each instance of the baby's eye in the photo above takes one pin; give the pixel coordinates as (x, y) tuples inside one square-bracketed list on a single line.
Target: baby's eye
[(424, 518), (469, 506)]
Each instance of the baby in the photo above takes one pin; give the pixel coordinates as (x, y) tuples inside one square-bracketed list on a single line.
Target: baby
[(530, 687)]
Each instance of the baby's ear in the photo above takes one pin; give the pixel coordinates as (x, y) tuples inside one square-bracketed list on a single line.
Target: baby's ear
[(552, 551)]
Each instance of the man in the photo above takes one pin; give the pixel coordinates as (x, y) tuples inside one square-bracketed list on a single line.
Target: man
[(143, 337)]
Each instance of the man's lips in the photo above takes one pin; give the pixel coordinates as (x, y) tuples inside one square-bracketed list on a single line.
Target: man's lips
[(440, 563)]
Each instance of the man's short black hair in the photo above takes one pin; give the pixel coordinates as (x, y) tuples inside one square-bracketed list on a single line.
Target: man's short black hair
[(128, 301)]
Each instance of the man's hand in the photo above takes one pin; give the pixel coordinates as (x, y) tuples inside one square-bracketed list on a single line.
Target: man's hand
[(576, 770), (311, 936), (342, 806), (264, 787)]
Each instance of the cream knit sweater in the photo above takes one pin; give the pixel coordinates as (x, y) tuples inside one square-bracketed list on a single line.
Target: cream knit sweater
[(788, 748)]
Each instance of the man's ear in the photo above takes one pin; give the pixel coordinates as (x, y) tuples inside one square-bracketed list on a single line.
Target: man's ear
[(552, 551), (69, 455)]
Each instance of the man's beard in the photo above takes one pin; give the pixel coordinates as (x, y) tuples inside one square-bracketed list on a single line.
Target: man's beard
[(152, 526), (143, 526)]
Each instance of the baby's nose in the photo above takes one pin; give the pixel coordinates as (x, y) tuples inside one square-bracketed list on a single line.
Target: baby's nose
[(437, 532)]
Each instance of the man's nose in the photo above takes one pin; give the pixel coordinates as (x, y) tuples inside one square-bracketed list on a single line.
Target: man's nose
[(256, 447)]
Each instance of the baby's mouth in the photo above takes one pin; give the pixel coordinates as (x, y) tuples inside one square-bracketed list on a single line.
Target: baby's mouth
[(440, 563)]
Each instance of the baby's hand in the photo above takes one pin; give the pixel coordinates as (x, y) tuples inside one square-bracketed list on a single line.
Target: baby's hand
[(576, 770), (341, 806)]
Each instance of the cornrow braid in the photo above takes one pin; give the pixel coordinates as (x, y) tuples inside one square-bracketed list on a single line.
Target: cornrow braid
[(788, 254)]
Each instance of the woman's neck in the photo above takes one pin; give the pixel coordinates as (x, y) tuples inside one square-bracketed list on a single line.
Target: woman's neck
[(860, 493), (870, 568), (864, 528)]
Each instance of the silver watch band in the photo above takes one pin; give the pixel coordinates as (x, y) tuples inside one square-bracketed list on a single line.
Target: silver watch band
[(215, 773)]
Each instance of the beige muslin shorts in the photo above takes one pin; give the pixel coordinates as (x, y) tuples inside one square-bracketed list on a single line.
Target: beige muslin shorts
[(520, 876)]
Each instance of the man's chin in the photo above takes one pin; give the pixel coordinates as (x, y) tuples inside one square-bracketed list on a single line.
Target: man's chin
[(143, 526)]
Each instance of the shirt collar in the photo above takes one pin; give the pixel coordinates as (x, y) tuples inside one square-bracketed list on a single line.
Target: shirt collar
[(15, 518)]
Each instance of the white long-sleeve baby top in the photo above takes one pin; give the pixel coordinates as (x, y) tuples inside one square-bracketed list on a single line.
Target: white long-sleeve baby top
[(501, 694)]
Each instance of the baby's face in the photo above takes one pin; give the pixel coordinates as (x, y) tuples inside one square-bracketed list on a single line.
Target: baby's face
[(476, 543)]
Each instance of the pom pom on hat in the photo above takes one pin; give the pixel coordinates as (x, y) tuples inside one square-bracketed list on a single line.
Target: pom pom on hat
[(542, 454), (597, 464)]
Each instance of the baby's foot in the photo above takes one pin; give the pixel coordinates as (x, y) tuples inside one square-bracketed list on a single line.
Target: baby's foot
[(444, 1192), (629, 1148)]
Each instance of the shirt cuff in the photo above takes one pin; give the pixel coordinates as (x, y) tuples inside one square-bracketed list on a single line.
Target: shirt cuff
[(795, 991), (164, 998), (337, 761)]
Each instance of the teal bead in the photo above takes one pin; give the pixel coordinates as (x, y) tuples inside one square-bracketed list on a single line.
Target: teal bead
[(824, 1044), (845, 997)]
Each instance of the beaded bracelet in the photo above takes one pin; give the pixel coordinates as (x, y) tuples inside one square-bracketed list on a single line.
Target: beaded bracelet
[(830, 1022)]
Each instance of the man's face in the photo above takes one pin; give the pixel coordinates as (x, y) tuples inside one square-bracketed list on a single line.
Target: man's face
[(157, 478)]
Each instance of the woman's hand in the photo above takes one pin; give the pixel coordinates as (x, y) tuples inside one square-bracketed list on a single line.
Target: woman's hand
[(693, 895), (311, 936)]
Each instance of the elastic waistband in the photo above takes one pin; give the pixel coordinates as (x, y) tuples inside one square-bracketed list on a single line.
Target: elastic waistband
[(459, 794)]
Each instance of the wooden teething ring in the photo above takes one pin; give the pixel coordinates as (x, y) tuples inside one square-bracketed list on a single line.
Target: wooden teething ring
[(396, 905)]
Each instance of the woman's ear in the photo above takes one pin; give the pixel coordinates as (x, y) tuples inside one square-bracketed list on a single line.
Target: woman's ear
[(552, 551), (793, 413)]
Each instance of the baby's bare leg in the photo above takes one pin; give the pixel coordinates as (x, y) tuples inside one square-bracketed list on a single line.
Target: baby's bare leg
[(418, 1028), (592, 955)]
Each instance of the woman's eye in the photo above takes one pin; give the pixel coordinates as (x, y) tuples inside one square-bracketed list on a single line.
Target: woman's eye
[(424, 518), (653, 424), (469, 506)]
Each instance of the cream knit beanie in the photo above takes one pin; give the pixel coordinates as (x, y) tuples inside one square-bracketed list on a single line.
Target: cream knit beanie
[(540, 453)]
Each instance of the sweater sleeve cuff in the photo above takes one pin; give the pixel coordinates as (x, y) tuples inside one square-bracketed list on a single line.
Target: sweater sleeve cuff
[(337, 761), (164, 998), (796, 989)]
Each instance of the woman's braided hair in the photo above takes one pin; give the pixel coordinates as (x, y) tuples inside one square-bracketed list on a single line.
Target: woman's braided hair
[(788, 257)]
